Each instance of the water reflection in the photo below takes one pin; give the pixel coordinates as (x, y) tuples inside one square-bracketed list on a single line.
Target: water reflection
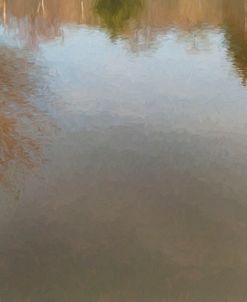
[(236, 35), (143, 194), (21, 123), (140, 21), (116, 14)]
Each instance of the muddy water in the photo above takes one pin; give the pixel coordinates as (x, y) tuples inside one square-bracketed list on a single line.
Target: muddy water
[(123, 150)]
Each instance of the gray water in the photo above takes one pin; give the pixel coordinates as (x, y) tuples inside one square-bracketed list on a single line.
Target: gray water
[(123, 150)]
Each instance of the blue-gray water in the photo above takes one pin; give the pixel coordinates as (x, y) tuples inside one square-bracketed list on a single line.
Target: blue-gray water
[(123, 150)]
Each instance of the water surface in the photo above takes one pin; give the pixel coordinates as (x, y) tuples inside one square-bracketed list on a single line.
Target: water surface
[(123, 150)]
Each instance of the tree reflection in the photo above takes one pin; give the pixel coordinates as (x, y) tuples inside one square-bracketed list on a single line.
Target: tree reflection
[(115, 14), (21, 124), (236, 34), (139, 21)]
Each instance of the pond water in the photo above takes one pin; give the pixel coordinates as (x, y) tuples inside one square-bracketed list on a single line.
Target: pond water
[(123, 150)]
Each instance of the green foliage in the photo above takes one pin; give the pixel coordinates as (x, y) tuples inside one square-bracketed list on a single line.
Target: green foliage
[(115, 14)]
